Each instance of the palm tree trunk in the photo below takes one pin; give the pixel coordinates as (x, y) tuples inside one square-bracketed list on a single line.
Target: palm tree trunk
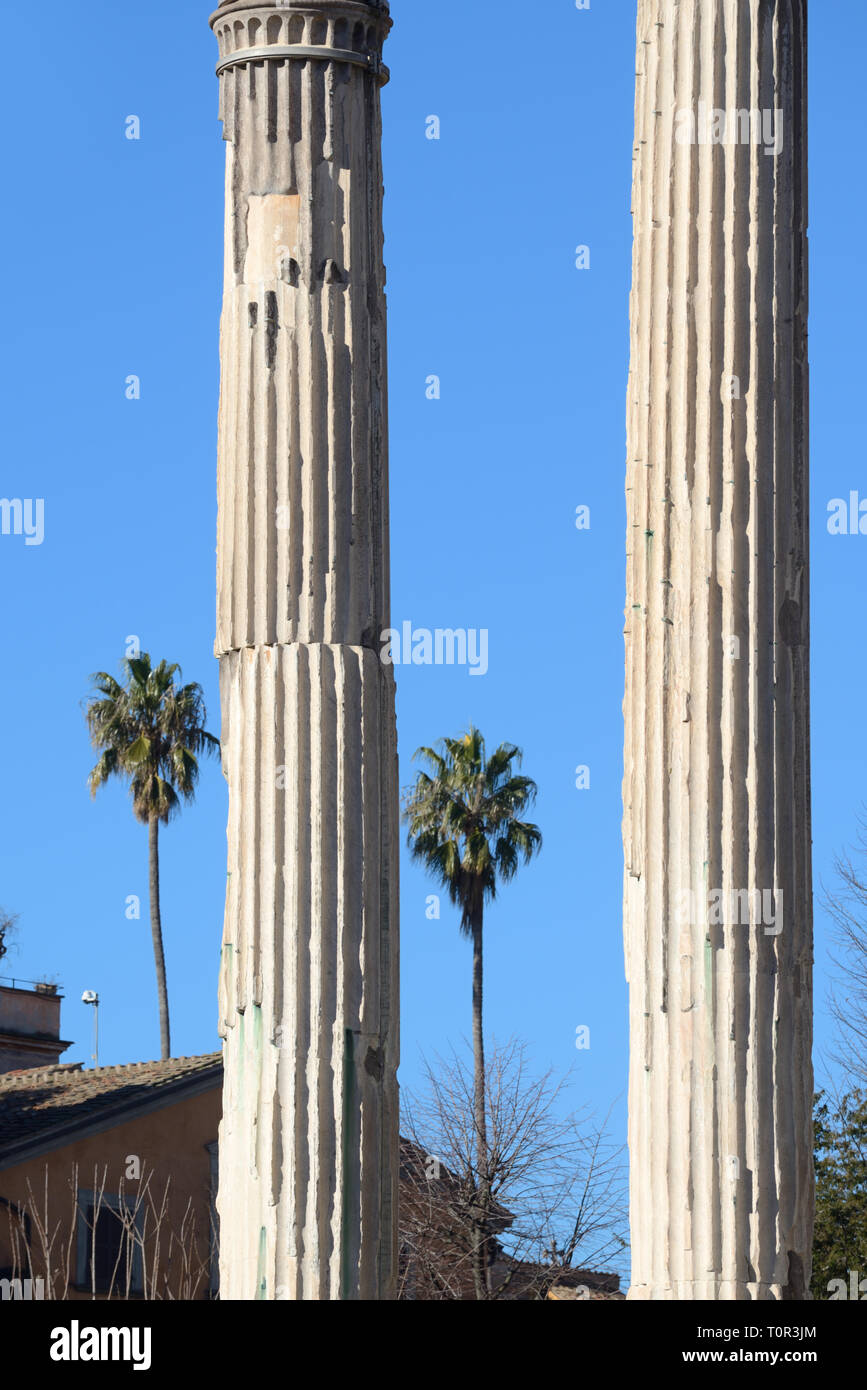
[(481, 1262), (157, 934)]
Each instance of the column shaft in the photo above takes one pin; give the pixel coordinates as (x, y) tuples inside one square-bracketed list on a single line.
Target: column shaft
[(308, 988), (717, 900)]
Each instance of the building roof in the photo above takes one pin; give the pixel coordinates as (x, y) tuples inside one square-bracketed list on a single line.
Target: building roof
[(564, 1293), (446, 1185), (44, 1108)]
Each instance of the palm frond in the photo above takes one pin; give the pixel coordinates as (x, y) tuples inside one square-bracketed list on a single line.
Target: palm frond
[(462, 816), (150, 730)]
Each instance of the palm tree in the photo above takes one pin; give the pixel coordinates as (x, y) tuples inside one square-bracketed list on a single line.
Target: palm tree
[(465, 827), (150, 731)]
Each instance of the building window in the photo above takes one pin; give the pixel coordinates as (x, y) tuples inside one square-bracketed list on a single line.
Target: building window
[(109, 1245)]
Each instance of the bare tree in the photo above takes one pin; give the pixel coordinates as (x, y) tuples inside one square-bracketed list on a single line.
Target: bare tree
[(162, 1258), (552, 1197), (848, 998), (8, 923)]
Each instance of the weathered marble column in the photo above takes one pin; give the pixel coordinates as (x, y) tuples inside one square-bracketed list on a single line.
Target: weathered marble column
[(717, 773), (308, 989)]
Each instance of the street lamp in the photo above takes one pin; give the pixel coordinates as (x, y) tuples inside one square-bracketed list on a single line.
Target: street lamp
[(90, 996)]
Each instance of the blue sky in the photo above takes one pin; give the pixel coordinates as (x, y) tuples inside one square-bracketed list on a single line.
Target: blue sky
[(113, 257)]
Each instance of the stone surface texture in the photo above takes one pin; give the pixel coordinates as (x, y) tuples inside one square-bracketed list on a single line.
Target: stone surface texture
[(717, 771), (309, 985)]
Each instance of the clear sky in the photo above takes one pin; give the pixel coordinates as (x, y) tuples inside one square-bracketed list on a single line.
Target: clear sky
[(113, 256)]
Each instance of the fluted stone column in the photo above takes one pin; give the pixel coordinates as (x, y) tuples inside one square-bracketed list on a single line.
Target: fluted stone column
[(717, 779), (308, 988)]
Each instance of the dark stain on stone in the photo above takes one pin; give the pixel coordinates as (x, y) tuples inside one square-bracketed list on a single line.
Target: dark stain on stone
[(332, 274), (795, 1291), (373, 1063), (790, 623), (272, 327), (253, 310)]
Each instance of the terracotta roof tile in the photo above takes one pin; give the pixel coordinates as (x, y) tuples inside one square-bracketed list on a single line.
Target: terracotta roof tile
[(39, 1100)]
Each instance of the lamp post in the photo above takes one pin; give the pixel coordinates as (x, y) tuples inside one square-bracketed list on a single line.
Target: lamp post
[(91, 997)]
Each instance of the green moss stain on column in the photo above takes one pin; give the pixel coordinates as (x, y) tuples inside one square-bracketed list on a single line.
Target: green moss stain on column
[(256, 1054), (241, 1070), (347, 1168), (261, 1280), (708, 987)]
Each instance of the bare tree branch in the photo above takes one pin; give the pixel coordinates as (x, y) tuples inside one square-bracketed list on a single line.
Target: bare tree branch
[(848, 996), (557, 1185)]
